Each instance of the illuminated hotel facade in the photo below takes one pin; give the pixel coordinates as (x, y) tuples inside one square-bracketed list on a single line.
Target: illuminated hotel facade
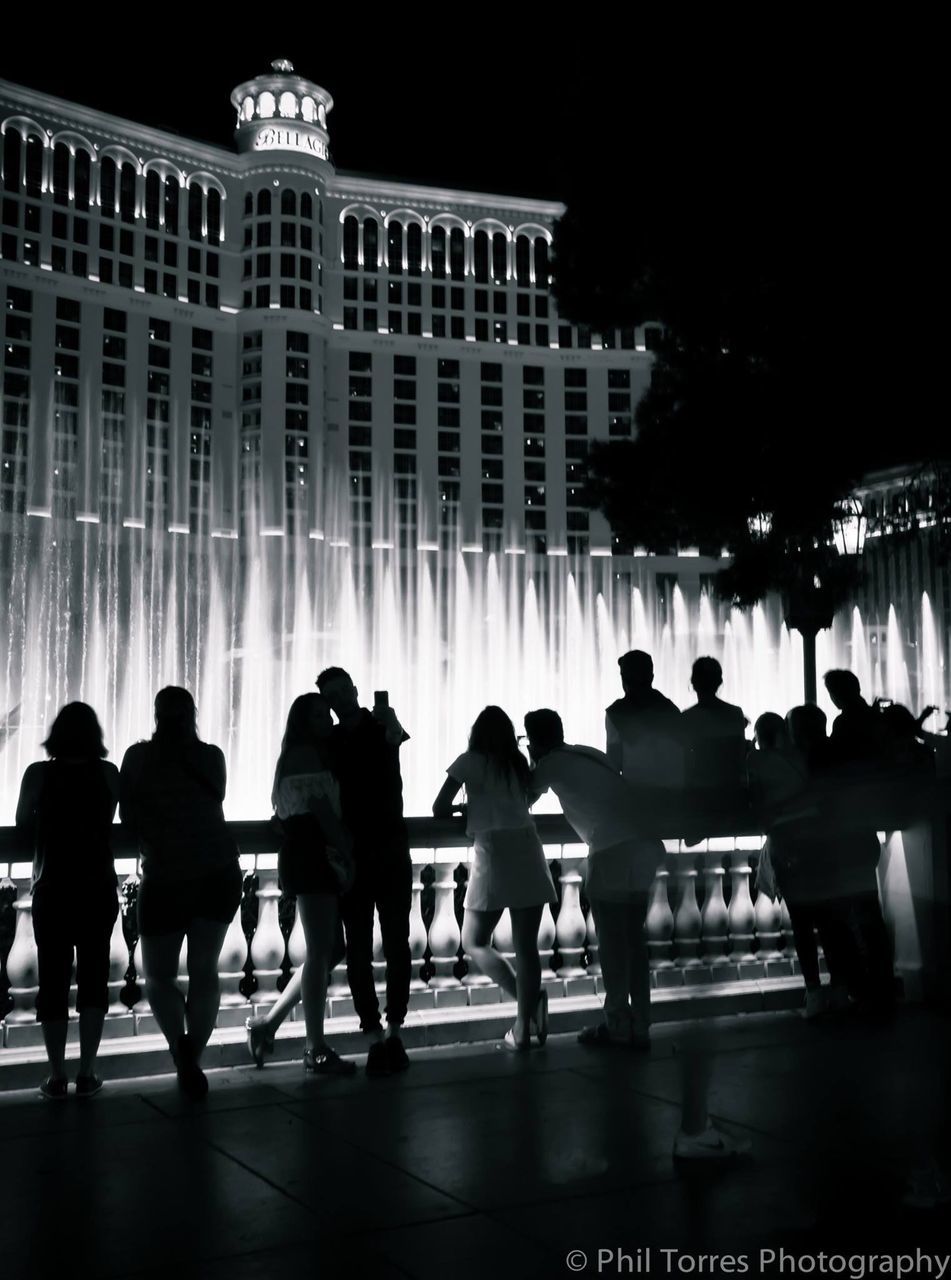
[(213, 343)]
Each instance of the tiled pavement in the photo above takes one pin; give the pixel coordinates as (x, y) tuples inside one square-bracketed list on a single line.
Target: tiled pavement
[(479, 1163)]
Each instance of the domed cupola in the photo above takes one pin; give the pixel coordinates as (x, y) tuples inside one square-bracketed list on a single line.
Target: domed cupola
[(283, 112)]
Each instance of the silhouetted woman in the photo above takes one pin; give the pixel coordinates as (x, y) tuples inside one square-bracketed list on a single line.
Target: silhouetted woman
[(66, 808), (315, 866), (509, 868), (171, 791)]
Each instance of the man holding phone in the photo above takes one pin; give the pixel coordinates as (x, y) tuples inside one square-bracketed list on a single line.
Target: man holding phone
[(365, 748)]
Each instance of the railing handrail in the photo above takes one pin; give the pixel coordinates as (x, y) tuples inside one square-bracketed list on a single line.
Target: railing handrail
[(674, 816)]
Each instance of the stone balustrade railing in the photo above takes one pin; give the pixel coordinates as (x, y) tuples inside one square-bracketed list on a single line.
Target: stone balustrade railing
[(705, 924)]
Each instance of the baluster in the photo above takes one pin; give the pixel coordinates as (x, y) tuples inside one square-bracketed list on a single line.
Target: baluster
[(296, 942), (741, 904), (417, 930), (8, 892), (504, 942), (714, 918), (546, 926), (128, 901), (234, 954), (571, 927), (22, 966), (789, 947), (687, 923), (444, 933), (591, 944), (267, 945), (660, 917), (118, 964), (767, 923)]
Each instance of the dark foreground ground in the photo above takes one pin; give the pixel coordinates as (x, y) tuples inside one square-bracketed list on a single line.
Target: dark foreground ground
[(479, 1163)]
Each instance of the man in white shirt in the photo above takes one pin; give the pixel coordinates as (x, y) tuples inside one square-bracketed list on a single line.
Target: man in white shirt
[(602, 808)]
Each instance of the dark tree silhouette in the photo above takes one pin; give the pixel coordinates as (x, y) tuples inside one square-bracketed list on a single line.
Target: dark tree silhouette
[(766, 403)]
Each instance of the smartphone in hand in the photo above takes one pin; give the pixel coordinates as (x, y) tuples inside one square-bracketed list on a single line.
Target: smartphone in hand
[(381, 700)]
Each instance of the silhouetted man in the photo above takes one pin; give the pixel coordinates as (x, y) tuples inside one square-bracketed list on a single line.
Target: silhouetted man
[(713, 733), (367, 764), (602, 808), (642, 728), (856, 737), (857, 762)]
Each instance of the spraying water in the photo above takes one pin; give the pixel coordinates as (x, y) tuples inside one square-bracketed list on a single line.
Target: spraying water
[(109, 616)]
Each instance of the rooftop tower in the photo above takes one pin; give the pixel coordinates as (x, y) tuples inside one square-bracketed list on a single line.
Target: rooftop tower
[(282, 112)]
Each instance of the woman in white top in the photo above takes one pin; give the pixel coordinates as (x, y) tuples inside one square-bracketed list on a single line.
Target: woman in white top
[(315, 866), (509, 868)]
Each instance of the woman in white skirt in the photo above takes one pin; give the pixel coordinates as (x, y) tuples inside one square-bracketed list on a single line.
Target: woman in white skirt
[(509, 868)]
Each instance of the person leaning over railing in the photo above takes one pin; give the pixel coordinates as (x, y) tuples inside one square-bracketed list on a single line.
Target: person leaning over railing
[(604, 810), (171, 794), (509, 868), (65, 811)]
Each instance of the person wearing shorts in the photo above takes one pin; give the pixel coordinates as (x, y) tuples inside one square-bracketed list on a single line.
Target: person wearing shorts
[(171, 793)]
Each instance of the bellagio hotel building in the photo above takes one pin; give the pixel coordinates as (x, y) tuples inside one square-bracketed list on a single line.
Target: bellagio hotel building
[(240, 343)]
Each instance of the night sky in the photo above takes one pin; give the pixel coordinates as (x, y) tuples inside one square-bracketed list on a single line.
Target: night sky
[(825, 139)]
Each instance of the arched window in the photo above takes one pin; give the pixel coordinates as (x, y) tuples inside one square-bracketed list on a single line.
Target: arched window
[(171, 206), (438, 251), (523, 261), (107, 187), (308, 109), (248, 204), (288, 105), (414, 249), (480, 253), (214, 216), (266, 105), (12, 150), (306, 207), (247, 108), (82, 168), (34, 166), (61, 173), (194, 211), (394, 248), (499, 258), (264, 202), (351, 238), (322, 116), (457, 254), (288, 202), (371, 250), (127, 193), (541, 262), (153, 195)]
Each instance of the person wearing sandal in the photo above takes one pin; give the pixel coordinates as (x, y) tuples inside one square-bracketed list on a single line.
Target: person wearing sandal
[(603, 810), (171, 794), (508, 870), (65, 810), (315, 865)]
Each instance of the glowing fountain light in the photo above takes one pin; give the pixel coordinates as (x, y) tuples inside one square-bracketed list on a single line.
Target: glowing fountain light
[(110, 615)]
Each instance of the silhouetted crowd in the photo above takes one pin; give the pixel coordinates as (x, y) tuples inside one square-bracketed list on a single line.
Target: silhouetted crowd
[(344, 854)]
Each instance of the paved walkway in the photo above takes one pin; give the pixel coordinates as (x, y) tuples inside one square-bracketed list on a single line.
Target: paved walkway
[(479, 1163)]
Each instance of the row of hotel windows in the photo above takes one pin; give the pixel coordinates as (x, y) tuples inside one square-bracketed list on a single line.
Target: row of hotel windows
[(296, 429), (71, 182), (491, 257), (115, 439), (448, 443), (70, 251)]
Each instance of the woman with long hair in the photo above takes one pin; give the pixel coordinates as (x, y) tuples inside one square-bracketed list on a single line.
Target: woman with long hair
[(509, 867), (171, 793), (315, 866), (65, 810)]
